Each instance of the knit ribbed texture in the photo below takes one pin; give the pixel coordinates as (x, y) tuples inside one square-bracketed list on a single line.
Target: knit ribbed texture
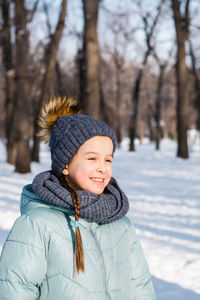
[(69, 133), (105, 208)]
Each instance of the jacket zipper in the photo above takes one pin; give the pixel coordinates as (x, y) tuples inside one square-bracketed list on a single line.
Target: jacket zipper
[(101, 260)]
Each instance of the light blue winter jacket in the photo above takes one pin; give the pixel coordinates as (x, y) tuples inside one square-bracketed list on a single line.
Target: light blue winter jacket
[(37, 258)]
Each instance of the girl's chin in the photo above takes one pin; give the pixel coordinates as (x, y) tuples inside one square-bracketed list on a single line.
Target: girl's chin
[(95, 190)]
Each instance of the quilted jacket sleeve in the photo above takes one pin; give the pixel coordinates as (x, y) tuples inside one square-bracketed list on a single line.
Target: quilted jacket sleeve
[(140, 275), (23, 261)]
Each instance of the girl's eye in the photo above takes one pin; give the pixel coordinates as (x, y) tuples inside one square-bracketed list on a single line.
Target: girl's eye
[(91, 158), (109, 160)]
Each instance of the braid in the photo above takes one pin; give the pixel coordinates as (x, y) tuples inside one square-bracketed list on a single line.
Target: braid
[(79, 253)]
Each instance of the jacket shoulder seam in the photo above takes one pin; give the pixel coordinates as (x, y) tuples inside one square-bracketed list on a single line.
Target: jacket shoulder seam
[(20, 242)]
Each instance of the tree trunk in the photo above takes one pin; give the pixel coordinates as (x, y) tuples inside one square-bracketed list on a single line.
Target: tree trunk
[(21, 122), (118, 103), (135, 102), (149, 30), (181, 26), (158, 107), (91, 61), (59, 85), (196, 83), (82, 73), (47, 85), (7, 62)]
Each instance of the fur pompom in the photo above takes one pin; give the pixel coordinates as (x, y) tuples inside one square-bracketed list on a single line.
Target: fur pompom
[(54, 109)]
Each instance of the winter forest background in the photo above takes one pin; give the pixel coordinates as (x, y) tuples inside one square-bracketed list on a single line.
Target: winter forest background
[(136, 65)]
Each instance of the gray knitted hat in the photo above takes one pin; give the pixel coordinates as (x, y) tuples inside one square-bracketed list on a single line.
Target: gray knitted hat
[(69, 133)]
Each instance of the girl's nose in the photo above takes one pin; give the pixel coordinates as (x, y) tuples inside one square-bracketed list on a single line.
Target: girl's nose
[(101, 167)]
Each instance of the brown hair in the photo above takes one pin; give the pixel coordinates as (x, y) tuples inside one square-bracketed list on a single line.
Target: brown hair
[(79, 253)]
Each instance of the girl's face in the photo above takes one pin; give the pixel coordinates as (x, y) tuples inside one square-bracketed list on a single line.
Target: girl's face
[(91, 167)]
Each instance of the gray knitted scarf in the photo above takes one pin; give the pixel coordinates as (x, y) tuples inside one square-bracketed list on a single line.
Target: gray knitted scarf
[(105, 208)]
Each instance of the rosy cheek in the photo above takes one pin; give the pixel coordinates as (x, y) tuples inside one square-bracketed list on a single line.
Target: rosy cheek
[(81, 174), (110, 170)]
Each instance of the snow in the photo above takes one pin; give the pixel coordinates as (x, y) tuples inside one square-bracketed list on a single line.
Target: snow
[(164, 194)]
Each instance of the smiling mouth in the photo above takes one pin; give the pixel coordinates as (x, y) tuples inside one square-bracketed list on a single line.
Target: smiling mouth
[(99, 180)]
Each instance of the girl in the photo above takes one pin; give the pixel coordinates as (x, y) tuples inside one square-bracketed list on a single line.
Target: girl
[(73, 240)]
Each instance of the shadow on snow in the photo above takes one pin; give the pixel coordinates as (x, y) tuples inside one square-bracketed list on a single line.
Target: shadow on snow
[(166, 290)]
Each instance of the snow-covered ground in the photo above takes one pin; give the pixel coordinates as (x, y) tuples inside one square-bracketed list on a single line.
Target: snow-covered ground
[(164, 194)]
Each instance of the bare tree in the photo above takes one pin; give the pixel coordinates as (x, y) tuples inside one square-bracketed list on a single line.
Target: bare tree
[(7, 61), (158, 102), (118, 28), (20, 118), (90, 68), (196, 81), (17, 85), (181, 21), (149, 31), (158, 105), (47, 82)]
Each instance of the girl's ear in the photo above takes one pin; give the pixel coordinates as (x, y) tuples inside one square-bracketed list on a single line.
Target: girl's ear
[(65, 171)]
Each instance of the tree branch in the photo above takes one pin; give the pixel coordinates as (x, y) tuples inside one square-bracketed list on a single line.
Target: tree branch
[(45, 6), (32, 12)]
